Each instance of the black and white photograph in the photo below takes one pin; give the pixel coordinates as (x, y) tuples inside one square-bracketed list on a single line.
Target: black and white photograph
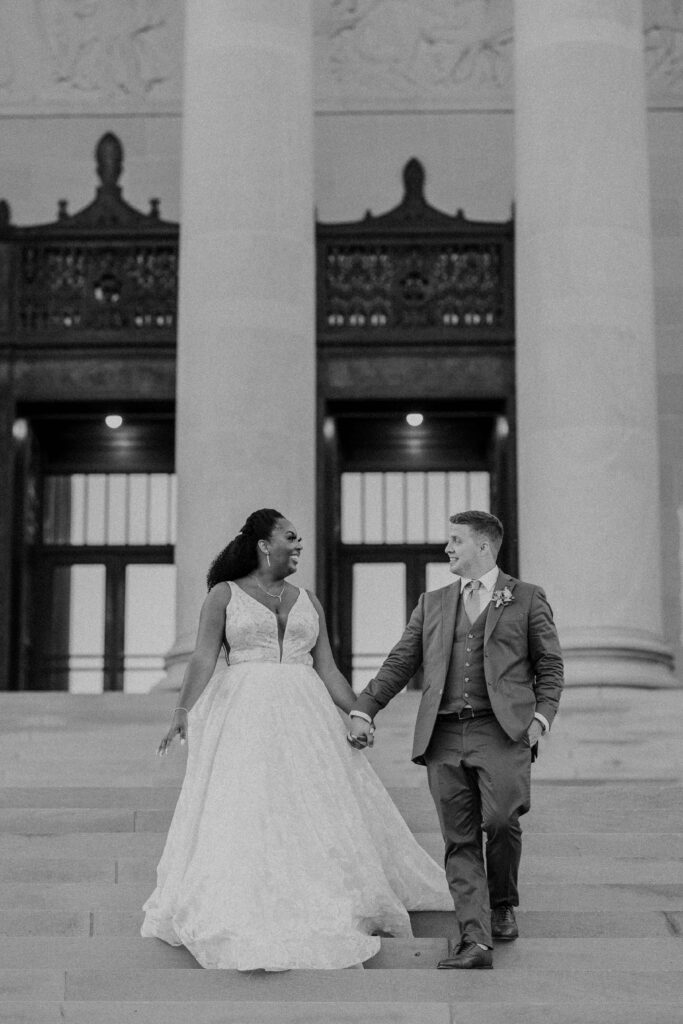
[(341, 511)]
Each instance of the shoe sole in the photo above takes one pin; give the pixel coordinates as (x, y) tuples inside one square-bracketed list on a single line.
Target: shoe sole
[(475, 967)]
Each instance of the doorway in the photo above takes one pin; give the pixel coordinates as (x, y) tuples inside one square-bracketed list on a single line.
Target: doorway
[(398, 481), (95, 574)]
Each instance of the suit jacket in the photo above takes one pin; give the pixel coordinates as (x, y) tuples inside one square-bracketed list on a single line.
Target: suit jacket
[(522, 660)]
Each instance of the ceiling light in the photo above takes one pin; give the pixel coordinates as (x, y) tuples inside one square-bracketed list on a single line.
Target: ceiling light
[(414, 419), (114, 421), (20, 429)]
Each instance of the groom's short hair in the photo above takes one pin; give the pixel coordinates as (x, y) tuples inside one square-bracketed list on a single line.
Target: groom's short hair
[(482, 523)]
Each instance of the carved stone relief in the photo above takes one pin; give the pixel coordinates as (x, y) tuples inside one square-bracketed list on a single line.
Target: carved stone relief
[(109, 55), (450, 54), (664, 46), (413, 48), (90, 53)]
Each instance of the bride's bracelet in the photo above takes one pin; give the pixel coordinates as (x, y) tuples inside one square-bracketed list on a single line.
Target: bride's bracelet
[(181, 709)]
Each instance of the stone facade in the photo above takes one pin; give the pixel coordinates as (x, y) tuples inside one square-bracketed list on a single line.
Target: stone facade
[(392, 79)]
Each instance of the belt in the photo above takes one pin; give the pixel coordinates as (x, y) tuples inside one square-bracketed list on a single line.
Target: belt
[(466, 714)]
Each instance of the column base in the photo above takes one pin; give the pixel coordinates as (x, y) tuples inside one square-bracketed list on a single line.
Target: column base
[(175, 665), (616, 658)]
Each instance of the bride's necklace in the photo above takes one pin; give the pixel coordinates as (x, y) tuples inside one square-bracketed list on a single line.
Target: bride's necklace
[(276, 597)]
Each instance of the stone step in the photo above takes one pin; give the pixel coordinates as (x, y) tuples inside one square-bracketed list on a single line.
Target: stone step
[(609, 846), (324, 1013), (553, 924), (47, 821), (606, 847), (230, 1012), (117, 921), (18, 923), (614, 897), (124, 797), (535, 870), (64, 869), (315, 1012), (579, 954), (623, 804), (513, 986), (82, 844), (652, 807)]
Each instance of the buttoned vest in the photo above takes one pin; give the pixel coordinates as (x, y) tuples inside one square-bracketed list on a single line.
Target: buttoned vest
[(465, 681)]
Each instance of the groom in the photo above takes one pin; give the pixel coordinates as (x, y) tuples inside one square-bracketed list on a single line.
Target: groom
[(492, 681)]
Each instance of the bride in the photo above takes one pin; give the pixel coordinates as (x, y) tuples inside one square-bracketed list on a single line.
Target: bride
[(285, 850)]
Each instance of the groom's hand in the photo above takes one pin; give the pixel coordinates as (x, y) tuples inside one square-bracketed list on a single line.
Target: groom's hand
[(361, 733), (534, 732)]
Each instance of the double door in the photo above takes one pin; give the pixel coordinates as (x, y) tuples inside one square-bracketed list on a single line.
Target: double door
[(103, 619), (380, 586), (394, 487)]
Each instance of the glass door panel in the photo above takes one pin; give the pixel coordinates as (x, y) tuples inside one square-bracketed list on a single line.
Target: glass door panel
[(379, 616), (438, 574), (77, 628), (149, 624)]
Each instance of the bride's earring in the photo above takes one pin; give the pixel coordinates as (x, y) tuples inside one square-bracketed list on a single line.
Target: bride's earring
[(268, 559)]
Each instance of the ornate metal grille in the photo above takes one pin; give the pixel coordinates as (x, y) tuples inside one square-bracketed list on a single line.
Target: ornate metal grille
[(415, 270), (108, 267), (74, 286), (455, 285)]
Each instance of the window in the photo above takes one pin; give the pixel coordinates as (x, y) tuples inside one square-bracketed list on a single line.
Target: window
[(103, 509), (407, 508)]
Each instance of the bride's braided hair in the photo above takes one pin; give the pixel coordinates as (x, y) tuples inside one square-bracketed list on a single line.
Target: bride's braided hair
[(239, 558)]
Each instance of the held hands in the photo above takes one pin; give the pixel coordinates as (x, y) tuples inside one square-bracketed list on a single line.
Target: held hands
[(178, 728), (361, 734)]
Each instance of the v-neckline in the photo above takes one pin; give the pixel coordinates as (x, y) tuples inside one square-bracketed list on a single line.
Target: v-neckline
[(269, 611)]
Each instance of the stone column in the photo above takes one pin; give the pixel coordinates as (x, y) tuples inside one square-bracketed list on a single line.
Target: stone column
[(246, 338), (587, 403)]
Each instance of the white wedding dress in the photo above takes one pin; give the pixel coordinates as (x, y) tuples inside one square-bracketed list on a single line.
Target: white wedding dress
[(285, 849)]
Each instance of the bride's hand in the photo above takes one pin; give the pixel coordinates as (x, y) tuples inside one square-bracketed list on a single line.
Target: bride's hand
[(178, 728), (361, 734)]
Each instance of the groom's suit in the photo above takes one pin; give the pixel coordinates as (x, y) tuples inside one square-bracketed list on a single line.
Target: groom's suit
[(475, 743)]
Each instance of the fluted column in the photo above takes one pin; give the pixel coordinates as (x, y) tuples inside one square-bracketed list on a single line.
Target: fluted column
[(246, 352), (587, 404)]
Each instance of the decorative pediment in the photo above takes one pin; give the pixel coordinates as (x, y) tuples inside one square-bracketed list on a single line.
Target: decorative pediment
[(415, 271), (108, 212), (413, 213), (107, 268)]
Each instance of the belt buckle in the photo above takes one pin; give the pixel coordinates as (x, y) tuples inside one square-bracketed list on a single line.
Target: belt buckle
[(462, 717)]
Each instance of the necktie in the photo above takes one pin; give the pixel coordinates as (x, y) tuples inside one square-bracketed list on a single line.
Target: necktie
[(472, 599)]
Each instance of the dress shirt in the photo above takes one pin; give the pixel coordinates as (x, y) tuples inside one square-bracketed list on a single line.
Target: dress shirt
[(488, 582)]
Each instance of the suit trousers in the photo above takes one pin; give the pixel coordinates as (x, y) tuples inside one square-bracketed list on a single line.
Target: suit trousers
[(480, 781)]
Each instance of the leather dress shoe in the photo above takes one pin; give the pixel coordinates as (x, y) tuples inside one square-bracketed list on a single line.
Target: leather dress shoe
[(503, 923), (468, 957)]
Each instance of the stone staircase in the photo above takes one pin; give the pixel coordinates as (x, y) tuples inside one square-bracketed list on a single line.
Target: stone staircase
[(84, 806)]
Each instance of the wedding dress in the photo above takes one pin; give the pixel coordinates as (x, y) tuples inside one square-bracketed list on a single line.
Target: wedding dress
[(285, 849)]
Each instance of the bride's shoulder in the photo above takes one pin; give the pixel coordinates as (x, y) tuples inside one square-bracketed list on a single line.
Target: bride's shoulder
[(313, 599), (220, 594)]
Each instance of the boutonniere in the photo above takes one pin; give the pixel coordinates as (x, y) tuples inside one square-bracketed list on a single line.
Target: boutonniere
[(502, 597)]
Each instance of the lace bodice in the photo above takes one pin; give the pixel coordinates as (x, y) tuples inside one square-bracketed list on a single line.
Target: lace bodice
[(251, 630)]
